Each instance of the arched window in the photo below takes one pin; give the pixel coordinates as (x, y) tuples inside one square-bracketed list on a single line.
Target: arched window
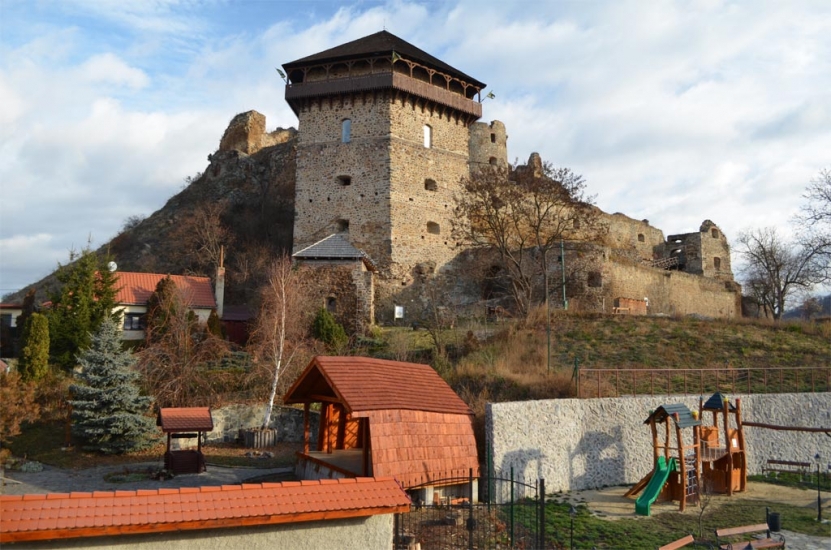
[(342, 225), (433, 227), (714, 233), (492, 161), (641, 238), (331, 304), (716, 263), (430, 185), (346, 130), (428, 136), (345, 180)]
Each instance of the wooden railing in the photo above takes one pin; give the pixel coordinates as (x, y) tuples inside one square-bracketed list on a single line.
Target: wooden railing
[(622, 382)]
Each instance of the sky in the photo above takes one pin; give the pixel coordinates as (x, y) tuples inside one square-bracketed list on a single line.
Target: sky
[(673, 111)]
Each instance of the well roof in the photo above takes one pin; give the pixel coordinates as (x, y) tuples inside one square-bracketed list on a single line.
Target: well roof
[(185, 419), (380, 44)]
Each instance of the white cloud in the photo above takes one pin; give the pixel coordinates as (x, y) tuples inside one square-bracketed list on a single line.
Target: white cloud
[(109, 69)]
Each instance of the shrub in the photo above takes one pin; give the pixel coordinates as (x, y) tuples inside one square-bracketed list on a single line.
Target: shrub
[(326, 329)]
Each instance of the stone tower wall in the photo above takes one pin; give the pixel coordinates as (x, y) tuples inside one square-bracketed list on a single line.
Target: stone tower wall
[(321, 198), (714, 245), (415, 203), (488, 141), (625, 234)]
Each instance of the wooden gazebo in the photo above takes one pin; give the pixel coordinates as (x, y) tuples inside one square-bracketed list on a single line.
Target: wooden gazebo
[(384, 418), (185, 423)]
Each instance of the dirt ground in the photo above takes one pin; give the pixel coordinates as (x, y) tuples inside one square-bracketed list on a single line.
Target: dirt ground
[(609, 503)]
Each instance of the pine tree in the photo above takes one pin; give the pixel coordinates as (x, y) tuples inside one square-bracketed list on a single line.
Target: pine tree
[(34, 355), (86, 297), (326, 329), (108, 412)]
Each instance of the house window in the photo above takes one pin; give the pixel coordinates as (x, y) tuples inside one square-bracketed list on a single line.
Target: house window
[(331, 304), (345, 180), (716, 263), (133, 321), (430, 185), (714, 233), (428, 136), (342, 225), (433, 227), (595, 279), (346, 130), (641, 238)]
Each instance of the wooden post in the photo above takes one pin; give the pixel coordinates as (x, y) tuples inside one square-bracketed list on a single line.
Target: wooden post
[(666, 438), (740, 430), (682, 464), (654, 441), (306, 428), (725, 407)]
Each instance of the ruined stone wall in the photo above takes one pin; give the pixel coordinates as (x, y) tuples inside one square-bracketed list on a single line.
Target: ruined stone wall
[(247, 134), (715, 252), (636, 236), (672, 292), (488, 145), (577, 444), (323, 204)]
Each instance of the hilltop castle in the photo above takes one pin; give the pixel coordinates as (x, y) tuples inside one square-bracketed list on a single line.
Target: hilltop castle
[(386, 133)]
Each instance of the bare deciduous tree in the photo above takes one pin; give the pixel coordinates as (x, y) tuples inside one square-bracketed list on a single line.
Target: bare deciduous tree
[(523, 215), (776, 269), (178, 350), (282, 324), (814, 219)]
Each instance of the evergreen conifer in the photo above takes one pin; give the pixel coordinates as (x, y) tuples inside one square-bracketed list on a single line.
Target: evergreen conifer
[(34, 355), (108, 412)]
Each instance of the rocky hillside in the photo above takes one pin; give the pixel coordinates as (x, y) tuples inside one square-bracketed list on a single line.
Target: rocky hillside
[(242, 201)]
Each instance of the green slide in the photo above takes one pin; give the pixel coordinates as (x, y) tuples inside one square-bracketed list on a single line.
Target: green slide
[(656, 483)]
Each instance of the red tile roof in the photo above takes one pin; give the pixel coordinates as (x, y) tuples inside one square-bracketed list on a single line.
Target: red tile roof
[(364, 384), (416, 447), (72, 515), (136, 289), (185, 419)]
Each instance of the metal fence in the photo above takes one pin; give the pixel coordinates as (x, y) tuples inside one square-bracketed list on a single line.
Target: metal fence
[(507, 513), (620, 382)]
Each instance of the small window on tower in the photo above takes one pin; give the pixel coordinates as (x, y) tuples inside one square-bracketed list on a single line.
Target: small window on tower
[(576, 223), (641, 238), (716, 263), (714, 233), (595, 279), (492, 161), (346, 130), (428, 136), (433, 227), (342, 225), (331, 304), (493, 138), (345, 180), (430, 185)]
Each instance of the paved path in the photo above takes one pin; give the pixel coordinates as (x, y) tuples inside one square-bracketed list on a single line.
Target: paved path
[(56, 480)]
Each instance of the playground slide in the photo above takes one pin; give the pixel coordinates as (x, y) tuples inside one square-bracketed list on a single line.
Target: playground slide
[(656, 483)]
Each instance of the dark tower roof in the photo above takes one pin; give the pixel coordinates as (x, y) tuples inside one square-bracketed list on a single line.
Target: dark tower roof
[(716, 403), (380, 44)]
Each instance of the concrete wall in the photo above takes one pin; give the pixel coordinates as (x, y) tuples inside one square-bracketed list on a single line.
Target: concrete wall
[(577, 444), (375, 532), (289, 422)]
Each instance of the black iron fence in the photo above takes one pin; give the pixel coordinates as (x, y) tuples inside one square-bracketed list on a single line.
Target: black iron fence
[(620, 382), (474, 512)]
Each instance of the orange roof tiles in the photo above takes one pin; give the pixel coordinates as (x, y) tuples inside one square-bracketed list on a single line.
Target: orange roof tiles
[(364, 384), (185, 419), (136, 288), (62, 515), (420, 446)]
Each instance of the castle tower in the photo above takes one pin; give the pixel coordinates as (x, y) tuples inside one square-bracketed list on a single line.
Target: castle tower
[(384, 140)]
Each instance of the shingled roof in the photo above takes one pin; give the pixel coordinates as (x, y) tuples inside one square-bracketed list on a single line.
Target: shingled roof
[(185, 419), (380, 44), (136, 289), (682, 415), (365, 384), (333, 247), (73, 515)]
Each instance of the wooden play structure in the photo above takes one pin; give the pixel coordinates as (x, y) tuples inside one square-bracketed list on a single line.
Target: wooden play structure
[(676, 468), (714, 460), (723, 458)]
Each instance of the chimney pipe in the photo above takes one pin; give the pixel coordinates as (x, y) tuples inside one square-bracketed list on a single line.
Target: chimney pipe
[(220, 283)]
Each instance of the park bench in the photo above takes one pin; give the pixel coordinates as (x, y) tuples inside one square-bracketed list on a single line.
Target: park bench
[(766, 542), (682, 542), (787, 466)]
